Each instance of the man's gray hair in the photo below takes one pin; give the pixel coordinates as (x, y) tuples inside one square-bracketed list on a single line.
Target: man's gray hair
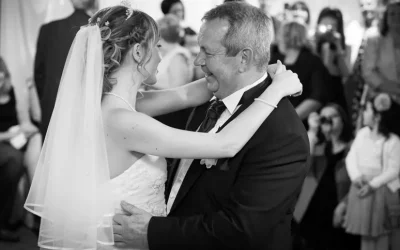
[(249, 27)]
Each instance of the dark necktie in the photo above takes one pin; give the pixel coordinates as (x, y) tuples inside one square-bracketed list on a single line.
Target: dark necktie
[(215, 110)]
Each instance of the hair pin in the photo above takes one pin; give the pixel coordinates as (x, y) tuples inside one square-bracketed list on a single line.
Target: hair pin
[(129, 10)]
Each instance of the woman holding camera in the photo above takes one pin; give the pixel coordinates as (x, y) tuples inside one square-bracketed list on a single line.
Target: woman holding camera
[(330, 135), (331, 47)]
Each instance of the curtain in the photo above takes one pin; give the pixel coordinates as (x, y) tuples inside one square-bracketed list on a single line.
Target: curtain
[(20, 22)]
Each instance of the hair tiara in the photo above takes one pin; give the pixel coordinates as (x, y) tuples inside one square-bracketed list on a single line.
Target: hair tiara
[(129, 10)]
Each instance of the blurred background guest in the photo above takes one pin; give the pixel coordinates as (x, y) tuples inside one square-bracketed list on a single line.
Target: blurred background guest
[(356, 38), (174, 7), (17, 133), (331, 47), (300, 12), (373, 164), (293, 49), (330, 134), (54, 41), (355, 30), (175, 68), (381, 64), (190, 43)]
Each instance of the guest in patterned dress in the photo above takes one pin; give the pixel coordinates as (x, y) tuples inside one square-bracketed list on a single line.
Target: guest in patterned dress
[(373, 165)]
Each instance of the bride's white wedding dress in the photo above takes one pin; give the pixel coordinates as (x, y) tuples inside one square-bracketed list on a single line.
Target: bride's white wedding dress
[(143, 185)]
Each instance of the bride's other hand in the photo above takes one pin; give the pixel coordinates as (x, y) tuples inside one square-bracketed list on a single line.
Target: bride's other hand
[(286, 81)]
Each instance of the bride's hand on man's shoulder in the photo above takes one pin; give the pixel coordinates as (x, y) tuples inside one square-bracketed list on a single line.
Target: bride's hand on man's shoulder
[(286, 81), (273, 68)]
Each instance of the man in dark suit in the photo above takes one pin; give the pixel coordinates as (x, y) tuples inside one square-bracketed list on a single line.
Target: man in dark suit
[(54, 42), (247, 201)]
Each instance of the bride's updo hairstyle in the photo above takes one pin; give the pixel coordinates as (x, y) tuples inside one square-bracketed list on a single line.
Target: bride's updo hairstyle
[(121, 28)]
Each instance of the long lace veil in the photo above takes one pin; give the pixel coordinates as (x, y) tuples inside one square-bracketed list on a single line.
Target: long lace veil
[(70, 186)]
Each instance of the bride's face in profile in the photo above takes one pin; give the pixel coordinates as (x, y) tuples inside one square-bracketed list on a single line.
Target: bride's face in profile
[(152, 65)]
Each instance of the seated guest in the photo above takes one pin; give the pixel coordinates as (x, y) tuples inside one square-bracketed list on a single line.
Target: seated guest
[(11, 159), (19, 134), (293, 50)]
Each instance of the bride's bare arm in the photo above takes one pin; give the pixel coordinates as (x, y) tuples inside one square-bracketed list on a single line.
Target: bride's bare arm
[(141, 133), (159, 102)]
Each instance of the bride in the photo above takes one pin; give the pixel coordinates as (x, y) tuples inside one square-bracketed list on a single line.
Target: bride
[(103, 145)]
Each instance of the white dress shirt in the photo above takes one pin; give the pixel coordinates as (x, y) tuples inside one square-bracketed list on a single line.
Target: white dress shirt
[(232, 104)]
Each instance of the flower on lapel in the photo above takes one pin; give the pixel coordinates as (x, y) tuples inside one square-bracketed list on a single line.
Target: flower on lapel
[(208, 162), (382, 102)]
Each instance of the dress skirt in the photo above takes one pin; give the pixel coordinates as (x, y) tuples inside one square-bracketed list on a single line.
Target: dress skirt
[(366, 216)]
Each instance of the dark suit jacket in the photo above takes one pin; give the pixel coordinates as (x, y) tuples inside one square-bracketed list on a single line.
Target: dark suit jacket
[(245, 202), (54, 42)]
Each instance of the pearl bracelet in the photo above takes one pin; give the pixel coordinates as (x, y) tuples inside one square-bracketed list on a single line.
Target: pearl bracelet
[(265, 102)]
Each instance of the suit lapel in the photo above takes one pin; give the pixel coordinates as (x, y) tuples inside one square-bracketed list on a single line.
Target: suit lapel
[(195, 170), (195, 118), (247, 99)]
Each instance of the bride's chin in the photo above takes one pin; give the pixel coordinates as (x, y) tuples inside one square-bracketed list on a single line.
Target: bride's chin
[(150, 81)]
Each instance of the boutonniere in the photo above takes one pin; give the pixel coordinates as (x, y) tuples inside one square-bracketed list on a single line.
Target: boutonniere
[(209, 162)]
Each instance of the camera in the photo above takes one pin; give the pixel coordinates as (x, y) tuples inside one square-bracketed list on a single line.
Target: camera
[(326, 34), (325, 120)]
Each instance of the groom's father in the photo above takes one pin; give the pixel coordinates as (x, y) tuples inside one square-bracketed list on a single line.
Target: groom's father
[(245, 202)]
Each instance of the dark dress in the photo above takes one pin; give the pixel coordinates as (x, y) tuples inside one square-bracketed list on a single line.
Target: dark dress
[(317, 83), (8, 113), (11, 162), (338, 95), (316, 226)]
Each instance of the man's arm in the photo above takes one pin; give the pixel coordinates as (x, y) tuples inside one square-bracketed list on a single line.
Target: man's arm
[(264, 194)]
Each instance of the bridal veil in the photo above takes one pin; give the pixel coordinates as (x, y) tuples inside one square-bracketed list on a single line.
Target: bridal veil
[(70, 187)]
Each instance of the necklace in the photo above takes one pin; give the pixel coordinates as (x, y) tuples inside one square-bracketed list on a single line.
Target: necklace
[(120, 97)]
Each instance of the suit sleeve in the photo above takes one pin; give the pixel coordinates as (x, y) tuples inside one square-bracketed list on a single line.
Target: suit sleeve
[(40, 57), (262, 197)]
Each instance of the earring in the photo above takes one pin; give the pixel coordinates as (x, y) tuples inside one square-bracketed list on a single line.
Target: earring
[(140, 66)]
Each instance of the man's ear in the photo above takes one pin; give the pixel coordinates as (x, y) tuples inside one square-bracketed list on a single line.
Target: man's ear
[(137, 52), (246, 59)]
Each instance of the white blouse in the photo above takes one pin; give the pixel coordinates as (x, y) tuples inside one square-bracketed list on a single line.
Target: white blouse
[(378, 160)]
